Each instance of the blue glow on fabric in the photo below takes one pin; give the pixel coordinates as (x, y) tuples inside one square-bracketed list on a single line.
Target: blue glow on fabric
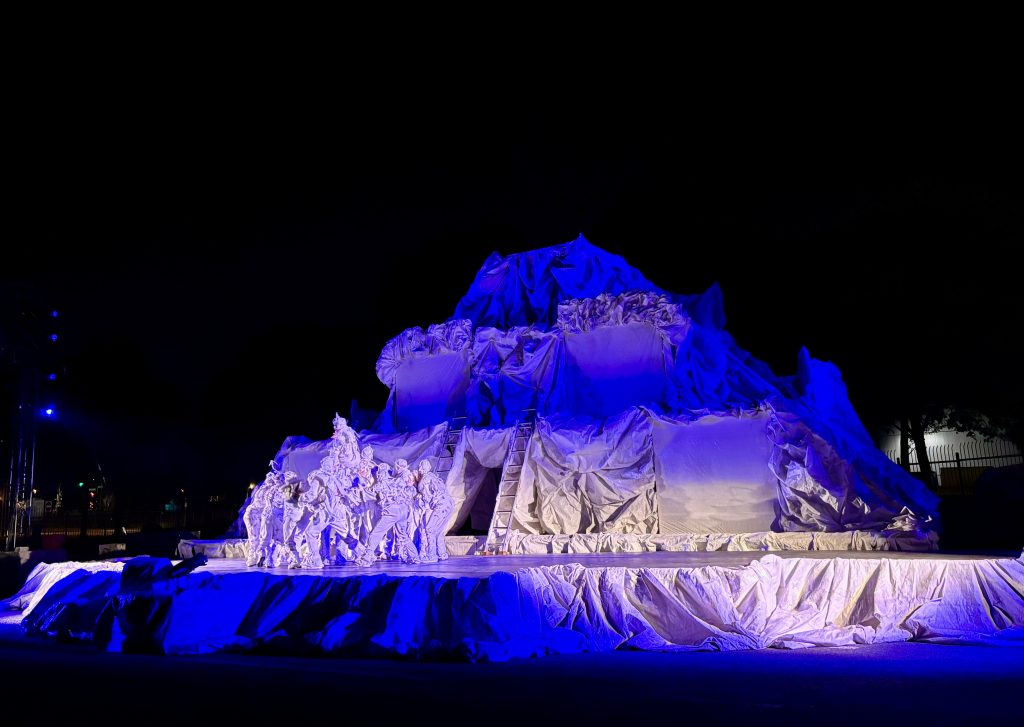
[(610, 369), (150, 608)]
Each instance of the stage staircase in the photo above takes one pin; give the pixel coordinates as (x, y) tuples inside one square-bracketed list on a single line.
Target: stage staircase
[(511, 473)]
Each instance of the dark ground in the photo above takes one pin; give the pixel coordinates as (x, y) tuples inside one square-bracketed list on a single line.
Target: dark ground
[(920, 684)]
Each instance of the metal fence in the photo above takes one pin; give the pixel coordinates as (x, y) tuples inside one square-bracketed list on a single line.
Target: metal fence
[(70, 523), (956, 467)]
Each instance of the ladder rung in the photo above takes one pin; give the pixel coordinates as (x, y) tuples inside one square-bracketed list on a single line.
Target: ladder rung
[(502, 519)]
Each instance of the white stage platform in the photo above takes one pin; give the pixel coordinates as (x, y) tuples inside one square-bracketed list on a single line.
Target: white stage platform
[(525, 544), (498, 607), (484, 566)]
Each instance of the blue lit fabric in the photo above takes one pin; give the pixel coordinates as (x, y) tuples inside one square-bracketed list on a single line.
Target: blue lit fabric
[(577, 334), (525, 289), (772, 602)]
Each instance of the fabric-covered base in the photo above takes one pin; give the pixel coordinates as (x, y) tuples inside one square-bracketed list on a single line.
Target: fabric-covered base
[(525, 544), (235, 547), (772, 601), (698, 543)]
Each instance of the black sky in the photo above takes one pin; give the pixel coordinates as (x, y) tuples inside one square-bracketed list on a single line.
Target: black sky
[(228, 273)]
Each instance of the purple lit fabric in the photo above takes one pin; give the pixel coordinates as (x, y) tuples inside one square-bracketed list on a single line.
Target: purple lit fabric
[(587, 341), (771, 602)]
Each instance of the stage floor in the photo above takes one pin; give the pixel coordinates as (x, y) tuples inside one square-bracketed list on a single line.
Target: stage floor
[(480, 566)]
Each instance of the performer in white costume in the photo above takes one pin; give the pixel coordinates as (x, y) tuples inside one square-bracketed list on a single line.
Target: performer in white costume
[(313, 519), (257, 546), (395, 496), (364, 502), (437, 507), (271, 549), (350, 508), (293, 511)]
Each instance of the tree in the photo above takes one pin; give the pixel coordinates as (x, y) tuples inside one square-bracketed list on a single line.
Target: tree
[(968, 421)]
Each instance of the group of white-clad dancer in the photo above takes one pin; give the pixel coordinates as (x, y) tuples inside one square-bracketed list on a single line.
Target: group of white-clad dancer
[(352, 509)]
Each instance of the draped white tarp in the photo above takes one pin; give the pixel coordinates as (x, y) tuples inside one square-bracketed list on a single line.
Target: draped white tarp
[(573, 331), (479, 455), (613, 368), (584, 476), (412, 446), (235, 548), (853, 540), (430, 389), (780, 602), (643, 472), (713, 474)]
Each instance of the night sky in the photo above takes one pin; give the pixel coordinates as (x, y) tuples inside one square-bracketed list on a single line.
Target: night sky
[(228, 279)]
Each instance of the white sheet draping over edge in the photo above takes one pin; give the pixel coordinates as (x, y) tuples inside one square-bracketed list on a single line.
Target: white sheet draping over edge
[(785, 603), (589, 476), (896, 540), (772, 602), (45, 575), (525, 544)]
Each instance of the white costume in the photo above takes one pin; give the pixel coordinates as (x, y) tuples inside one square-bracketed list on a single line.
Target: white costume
[(367, 511), (259, 540), (292, 525), (395, 496), (270, 550), (437, 506), (313, 519), (252, 517)]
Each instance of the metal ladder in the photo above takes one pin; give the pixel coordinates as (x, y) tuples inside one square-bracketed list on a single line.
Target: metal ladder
[(511, 473), (446, 459)]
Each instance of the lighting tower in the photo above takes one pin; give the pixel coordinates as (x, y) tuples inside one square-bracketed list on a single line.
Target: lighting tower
[(30, 354)]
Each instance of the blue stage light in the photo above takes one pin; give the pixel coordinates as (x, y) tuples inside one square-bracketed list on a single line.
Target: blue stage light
[(53, 313), (49, 411), (53, 337), (52, 377)]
